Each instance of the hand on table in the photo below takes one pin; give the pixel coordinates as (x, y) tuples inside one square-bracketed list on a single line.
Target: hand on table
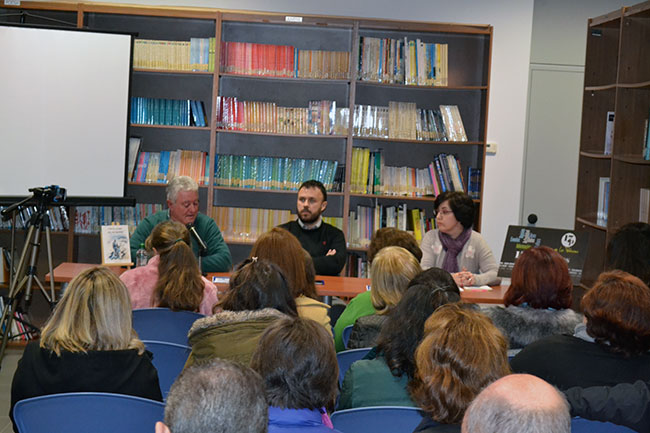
[(464, 278)]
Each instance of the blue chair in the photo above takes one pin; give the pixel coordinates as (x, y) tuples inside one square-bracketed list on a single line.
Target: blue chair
[(82, 412), (581, 425), (347, 357), (346, 335), (169, 359), (393, 419), (163, 324)]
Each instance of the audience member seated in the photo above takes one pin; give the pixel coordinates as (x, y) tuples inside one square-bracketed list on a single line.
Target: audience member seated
[(87, 344), (625, 404), (216, 397), (171, 278), (390, 273), (381, 378), (297, 361), (385, 237), (460, 354), (454, 246), (629, 251), (282, 248), (518, 403), (538, 301), (259, 294), (611, 348)]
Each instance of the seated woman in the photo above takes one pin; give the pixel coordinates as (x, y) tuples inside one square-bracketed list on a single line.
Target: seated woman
[(454, 246), (297, 361), (87, 344), (172, 278), (613, 346), (390, 273), (282, 248), (629, 251), (462, 352), (259, 294), (538, 301), (380, 378)]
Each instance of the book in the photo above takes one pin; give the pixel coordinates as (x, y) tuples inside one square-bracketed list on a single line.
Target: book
[(609, 133), (134, 148), (115, 245), (603, 201), (644, 205)]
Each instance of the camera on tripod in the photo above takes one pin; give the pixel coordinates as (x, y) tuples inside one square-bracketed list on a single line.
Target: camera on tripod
[(49, 194)]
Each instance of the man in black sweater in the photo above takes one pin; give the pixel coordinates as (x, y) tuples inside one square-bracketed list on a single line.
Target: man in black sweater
[(324, 242)]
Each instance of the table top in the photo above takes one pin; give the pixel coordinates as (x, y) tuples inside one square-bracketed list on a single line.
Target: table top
[(66, 271)]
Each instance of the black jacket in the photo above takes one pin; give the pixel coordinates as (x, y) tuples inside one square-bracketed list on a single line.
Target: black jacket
[(318, 242)]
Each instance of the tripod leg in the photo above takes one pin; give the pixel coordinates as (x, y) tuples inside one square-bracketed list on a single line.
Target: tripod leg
[(7, 320), (48, 246), (31, 270)]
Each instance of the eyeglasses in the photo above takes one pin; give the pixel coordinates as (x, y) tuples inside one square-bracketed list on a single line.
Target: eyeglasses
[(443, 212)]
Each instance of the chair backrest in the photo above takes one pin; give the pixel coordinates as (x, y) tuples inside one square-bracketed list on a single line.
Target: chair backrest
[(347, 357), (581, 425), (82, 412), (346, 335), (393, 419), (163, 324), (169, 359)]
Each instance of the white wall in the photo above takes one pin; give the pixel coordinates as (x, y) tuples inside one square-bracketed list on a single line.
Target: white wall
[(512, 22)]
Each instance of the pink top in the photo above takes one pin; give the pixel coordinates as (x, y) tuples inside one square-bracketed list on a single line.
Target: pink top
[(141, 282)]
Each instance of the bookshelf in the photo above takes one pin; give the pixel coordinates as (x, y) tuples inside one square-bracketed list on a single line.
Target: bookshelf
[(334, 45), (617, 79)]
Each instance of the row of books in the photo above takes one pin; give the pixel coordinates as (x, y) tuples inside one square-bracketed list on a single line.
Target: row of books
[(244, 58), (89, 219), (646, 139), (19, 331), (603, 201), (365, 220), (319, 118), (356, 265), (173, 112), (247, 224), (197, 54), (161, 167), (403, 61), (403, 120), (282, 173), (58, 218), (644, 205)]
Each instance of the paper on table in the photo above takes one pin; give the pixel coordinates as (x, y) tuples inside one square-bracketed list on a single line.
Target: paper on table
[(476, 288)]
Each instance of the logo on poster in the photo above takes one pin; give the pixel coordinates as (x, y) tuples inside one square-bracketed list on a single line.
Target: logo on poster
[(568, 240)]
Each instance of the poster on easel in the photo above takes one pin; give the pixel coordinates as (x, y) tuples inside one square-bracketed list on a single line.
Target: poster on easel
[(116, 249)]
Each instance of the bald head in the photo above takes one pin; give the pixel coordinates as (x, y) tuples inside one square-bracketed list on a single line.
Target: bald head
[(518, 403)]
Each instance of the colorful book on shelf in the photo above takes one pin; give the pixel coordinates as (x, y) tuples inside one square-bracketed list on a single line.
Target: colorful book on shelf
[(160, 167), (609, 133), (170, 112), (134, 148), (646, 140), (454, 128), (89, 219), (192, 55)]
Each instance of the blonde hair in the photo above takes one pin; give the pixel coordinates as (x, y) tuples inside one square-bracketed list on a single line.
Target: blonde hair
[(390, 273), (179, 285), (94, 314)]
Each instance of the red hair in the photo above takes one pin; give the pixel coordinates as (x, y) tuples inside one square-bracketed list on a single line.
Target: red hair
[(541, 279)]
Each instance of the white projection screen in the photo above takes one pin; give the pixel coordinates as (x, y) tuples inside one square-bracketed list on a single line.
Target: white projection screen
[(63, 110)]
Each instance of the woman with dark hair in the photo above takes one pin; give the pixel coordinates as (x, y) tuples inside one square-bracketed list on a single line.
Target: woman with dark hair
[(297, 361), (381, 377), (259, 294), (538, 301), (279, 246), (171, 278), (392, 237), (611, 348), (461, 353), (454, 246), (629, 251)]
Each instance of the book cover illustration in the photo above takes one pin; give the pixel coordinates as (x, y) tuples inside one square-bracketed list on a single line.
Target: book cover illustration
[(115, 245)]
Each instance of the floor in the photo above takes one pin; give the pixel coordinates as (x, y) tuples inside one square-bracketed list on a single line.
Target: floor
[(12, 355)]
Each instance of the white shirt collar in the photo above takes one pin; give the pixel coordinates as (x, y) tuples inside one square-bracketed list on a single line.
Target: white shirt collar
[(312, 226)]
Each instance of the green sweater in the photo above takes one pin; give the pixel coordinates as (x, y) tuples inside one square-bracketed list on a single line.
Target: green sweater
[(359, 306), (217, 258)]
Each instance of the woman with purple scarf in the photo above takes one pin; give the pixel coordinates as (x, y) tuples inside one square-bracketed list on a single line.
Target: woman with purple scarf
[(455, 247)]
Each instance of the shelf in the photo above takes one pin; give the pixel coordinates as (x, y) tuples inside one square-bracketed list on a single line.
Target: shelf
[(172, 71), (357, 249), (275, 134), (640, 85), (591, 223), (632, 159), (406, 140), (417, 87), (239, 241), (193, 128), (287, 79), (274, 191), (156, 184), (52, 232), (595, 155), (394, 197), (599, 88)]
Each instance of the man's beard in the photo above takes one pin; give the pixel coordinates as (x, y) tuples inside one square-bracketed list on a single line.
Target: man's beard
[(312, 218)]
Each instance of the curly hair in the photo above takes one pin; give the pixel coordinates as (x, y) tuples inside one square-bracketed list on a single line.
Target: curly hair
[(617, 309), (461, 205), (541, 279), (404, 326), (462, 352), (390, 236)]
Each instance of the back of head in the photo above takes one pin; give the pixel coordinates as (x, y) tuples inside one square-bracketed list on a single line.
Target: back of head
[(93, 314), (297, 360), (461, 205), (180, 183), (390, 273), (217, 397), (617, 309), (258, 284), (402, 331), (460, 354), (518, 403), (540, 279), (179, 284), (392, 237), (629, 250), (282, 248)]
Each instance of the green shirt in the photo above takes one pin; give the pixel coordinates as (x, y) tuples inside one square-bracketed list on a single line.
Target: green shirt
[(359, 306)]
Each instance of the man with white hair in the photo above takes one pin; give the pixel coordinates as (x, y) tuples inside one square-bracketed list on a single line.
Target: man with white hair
[(518, 403), (183, 207)]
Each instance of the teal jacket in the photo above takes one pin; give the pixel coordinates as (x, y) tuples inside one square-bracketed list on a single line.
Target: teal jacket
[(217, 258)]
